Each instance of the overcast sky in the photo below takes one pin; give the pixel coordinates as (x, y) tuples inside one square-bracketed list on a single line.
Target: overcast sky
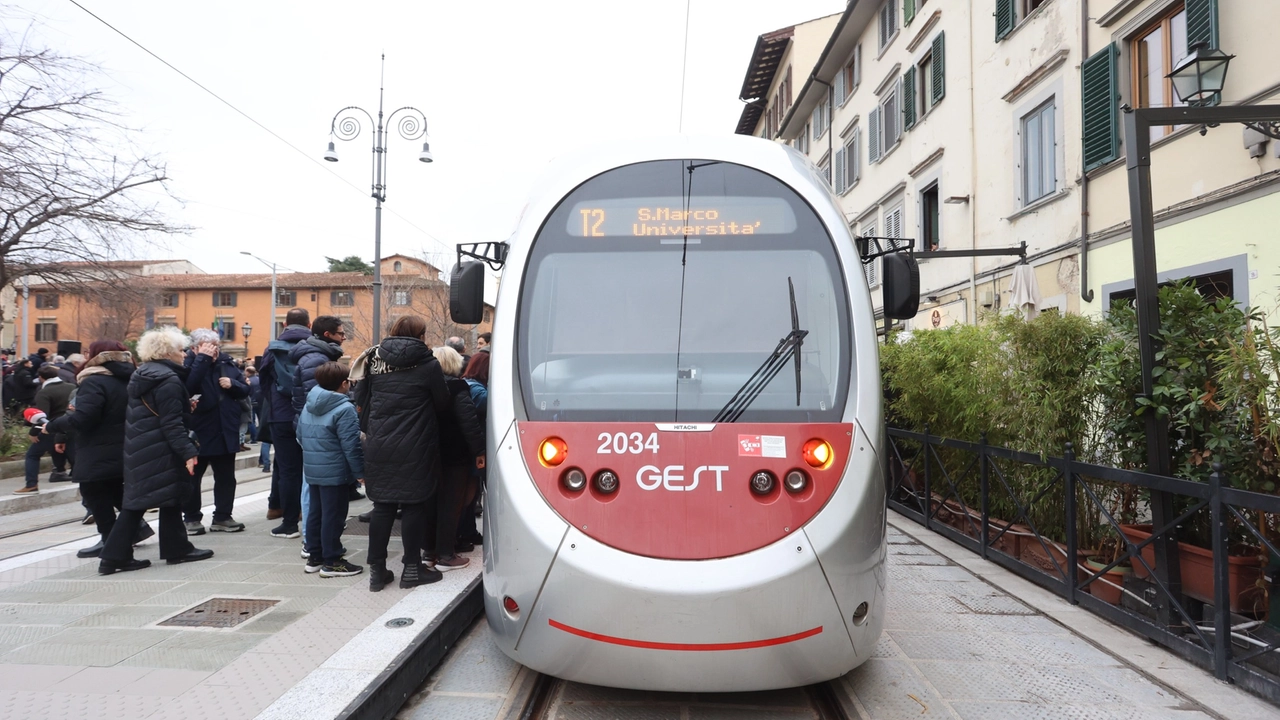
[(505, 85)]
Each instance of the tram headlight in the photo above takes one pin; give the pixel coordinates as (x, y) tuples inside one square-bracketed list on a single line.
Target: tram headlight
[(574, 479), (818, 453), (795, 481), (607, 481), (552, 452), (762, 482)]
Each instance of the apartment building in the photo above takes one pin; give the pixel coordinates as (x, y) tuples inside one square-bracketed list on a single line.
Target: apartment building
[(239, 306), (986, 124)]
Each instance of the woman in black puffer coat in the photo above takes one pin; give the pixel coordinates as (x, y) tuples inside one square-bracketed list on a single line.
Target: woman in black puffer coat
[(400, 390), (158, 454), (98, 424), (461, 452)]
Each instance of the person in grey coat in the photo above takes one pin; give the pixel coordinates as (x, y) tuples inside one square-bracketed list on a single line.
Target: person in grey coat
[(159, 455)]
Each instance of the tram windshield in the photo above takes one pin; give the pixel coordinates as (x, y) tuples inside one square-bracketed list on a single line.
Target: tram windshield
[(656, 290)]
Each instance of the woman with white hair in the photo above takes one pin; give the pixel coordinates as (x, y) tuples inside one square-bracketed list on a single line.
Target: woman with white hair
[(159, 456), (215, 379)]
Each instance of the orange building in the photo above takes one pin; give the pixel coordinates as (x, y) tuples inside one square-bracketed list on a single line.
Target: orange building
[(239, 305)]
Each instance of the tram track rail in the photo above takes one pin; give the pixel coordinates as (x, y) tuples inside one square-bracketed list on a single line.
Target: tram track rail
[(540, 693)]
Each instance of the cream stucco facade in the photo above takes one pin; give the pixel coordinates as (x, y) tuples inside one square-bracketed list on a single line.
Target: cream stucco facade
[(997, 158)]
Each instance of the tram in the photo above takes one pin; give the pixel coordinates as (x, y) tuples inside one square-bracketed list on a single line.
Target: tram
[(684, 423)]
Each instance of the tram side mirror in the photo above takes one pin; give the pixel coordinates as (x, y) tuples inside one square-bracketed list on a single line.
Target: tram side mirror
[(466, 293), (901, 285)]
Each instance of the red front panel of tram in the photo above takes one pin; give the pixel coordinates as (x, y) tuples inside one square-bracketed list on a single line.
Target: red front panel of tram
[(684, 491)]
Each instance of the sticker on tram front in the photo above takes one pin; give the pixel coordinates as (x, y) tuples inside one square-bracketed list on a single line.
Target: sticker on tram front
[(770, 446)]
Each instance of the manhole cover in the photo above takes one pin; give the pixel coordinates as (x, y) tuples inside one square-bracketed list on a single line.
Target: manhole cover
[(399, 622), (219, 613), (355, 527)]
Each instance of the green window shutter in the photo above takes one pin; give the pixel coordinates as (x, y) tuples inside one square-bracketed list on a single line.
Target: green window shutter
[(939, 82), (233, 299), (1100, 98), (216, 298), (1006, 18), (909, 97), (1202, 22), (908, 11)]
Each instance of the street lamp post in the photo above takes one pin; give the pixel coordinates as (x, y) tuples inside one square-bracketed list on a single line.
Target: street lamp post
[(245, 329), (271, 265), (346, 126)]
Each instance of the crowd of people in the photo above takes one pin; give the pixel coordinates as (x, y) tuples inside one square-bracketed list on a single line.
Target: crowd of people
[(404, 420)]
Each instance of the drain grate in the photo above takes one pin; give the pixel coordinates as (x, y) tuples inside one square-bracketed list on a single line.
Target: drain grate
[(355, 527), (219, 613)]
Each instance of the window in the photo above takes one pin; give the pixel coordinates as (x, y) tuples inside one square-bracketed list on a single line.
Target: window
[(287, 297), (46, 332), (400, 297), (930, 219), (226, 328), (893, 224), (1100, 110), (1039, 153), (924, 84), (849, 163), (47, 301), (824, 167), (802, 142), (888, 23), (1011, 12), (871, 270), (849, 76), (885, 124), (909, 10), (342, 298), (821, 118), (169, 300), (1155, 52), (398, 266), (222, 298)]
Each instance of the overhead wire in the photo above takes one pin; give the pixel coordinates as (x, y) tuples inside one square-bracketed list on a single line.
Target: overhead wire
[(251, 119), (684, 65)]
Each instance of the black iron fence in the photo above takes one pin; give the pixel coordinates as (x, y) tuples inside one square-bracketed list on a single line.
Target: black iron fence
[(1076, 528)]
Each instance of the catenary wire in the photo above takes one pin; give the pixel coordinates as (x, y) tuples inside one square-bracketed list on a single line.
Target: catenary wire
[(250, 118), (684, 65)]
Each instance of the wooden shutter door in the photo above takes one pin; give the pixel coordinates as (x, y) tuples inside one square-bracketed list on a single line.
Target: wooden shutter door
[(938, 81), (1099, 98)]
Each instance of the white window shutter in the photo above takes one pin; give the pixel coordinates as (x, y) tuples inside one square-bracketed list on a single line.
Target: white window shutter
[(855, 162), (873, 124), (839, 170), (857, 65), (838, 86)]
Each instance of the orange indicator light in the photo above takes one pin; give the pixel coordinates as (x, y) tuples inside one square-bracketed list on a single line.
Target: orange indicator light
[(818, 453), (552, 452)]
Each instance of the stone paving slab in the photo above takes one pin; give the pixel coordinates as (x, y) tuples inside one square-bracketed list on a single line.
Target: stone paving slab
[(75, 644)]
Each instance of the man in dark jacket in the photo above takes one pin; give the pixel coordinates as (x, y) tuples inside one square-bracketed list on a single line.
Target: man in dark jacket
[(324, 345), (52, 401), (215, 379), (277, 403), (25, 383)]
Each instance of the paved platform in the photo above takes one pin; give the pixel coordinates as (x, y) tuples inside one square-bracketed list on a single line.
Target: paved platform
[(74, 644), (963, 639)]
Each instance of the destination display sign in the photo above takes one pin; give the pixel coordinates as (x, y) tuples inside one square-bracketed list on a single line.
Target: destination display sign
[(674, 217)]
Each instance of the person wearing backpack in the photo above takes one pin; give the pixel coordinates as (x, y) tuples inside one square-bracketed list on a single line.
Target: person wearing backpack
[(277, 375)]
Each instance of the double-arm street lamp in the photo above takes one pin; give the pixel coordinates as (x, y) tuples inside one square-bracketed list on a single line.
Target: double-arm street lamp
[(346, 126)]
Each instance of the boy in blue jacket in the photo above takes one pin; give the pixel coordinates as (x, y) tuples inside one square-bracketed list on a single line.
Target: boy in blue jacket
[(332, 458)]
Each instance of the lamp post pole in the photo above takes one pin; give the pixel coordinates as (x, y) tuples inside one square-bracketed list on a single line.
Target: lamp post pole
[(272, 326), (346, 126)]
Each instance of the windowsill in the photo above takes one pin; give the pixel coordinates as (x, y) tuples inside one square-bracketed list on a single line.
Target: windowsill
[(889, 152), (1021, 23), (1040, 202), (889, 44), (851, 187)]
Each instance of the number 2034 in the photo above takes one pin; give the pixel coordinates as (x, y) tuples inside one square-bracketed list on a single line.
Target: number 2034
[(623, 444)]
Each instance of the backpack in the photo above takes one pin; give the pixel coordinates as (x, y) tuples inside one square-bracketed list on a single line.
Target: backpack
[(479, 397), (283, 371)]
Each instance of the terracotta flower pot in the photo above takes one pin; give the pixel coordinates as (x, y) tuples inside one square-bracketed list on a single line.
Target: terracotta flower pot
[(1116, 575), (1243, 570)]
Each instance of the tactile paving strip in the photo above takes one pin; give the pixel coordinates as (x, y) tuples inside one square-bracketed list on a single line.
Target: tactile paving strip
[(219, 613)]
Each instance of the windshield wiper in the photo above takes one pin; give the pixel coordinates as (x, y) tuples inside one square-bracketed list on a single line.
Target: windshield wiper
[(788, 348)]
